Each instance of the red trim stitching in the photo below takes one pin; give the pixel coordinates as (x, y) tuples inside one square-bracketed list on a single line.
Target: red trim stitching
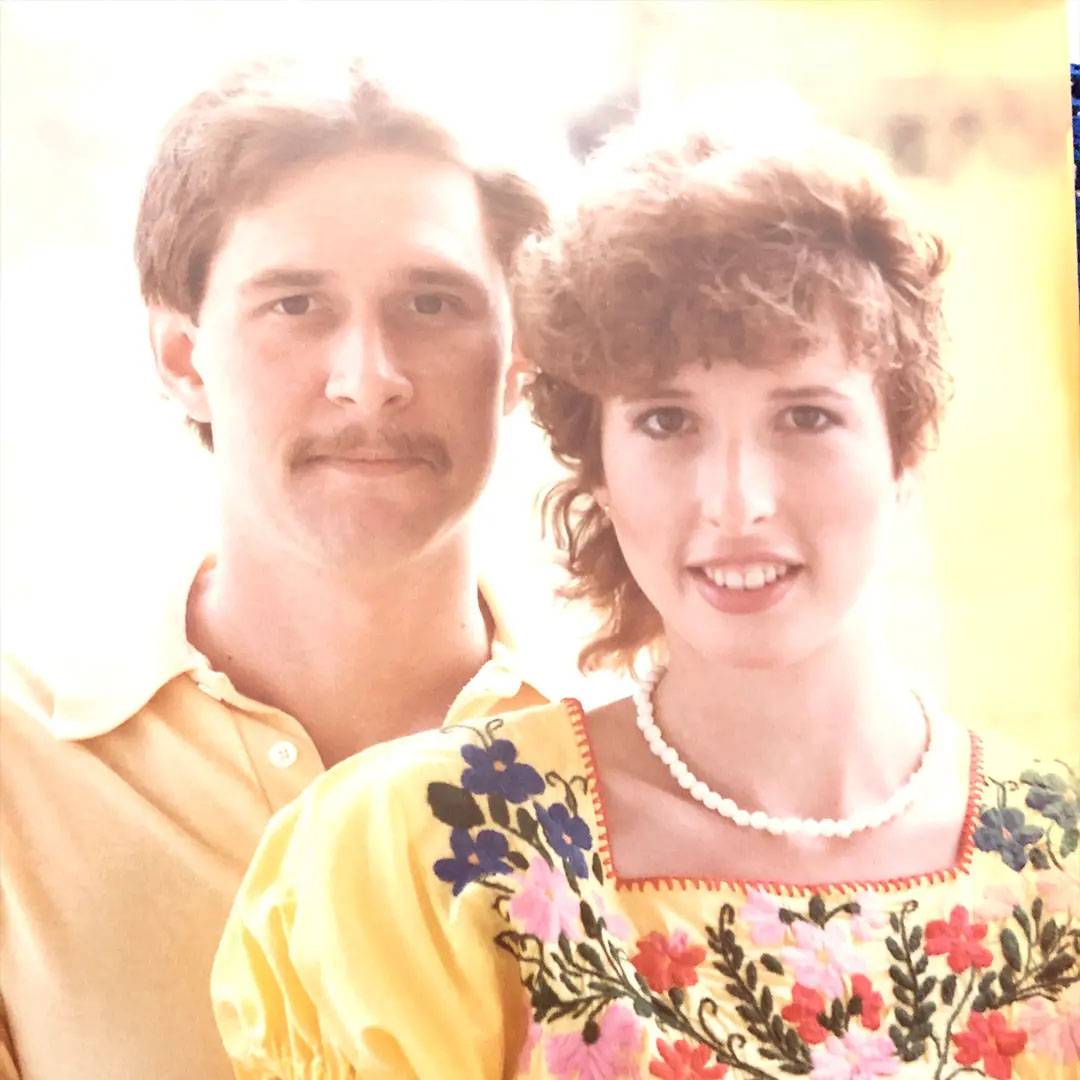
[(976, 784)]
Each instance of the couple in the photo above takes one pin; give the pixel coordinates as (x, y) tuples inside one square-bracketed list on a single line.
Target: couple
[(776, 860)]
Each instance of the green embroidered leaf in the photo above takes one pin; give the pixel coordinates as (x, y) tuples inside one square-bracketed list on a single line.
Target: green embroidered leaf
[(897, 1036), (1039, 859), (751, 976), (903, 1018), (854, 1006), (921, 964), (1049, 936), (894, 922), (642, 1007), (915, 940), (1010, 949), (894, 949), (597, 867), (590, 956), (987, 981), (836, 1014), (454, 806), (1069, 840), (902, 978), (527, 825), (787, 917), (766, 1001), (677, 995), (590, 1032), (816, 910), (948, 989), (1056, 968), (914, 1051), (745, 1013), (1008, 981), (500, 812), (1021, 916), (1037, 908), (588, 921), (1030, 776), (923, 1013), (516, 859), (564, 947), (926, 986), (770, 963)]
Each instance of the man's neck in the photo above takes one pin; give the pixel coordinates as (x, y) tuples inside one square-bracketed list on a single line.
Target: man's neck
[(356, 658)]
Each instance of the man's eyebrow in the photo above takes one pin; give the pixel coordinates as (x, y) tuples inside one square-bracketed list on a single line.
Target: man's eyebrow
[(284, 277), (450, 277), (791, 393)]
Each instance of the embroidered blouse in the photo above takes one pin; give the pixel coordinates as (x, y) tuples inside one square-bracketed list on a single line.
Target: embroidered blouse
[(446, 906)]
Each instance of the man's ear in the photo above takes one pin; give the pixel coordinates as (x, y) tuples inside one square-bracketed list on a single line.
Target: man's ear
[(516, 374), (172, 336)]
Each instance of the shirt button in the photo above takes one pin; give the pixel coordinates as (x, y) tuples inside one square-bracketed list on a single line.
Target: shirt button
[(282, 754)]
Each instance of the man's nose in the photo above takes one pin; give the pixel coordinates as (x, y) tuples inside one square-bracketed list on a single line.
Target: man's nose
[(365, 372), (738, 486)]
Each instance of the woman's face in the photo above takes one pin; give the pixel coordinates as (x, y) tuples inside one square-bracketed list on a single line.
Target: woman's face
[(751, 504)]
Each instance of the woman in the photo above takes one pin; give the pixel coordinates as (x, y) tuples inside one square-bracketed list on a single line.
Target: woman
[(776, 859)]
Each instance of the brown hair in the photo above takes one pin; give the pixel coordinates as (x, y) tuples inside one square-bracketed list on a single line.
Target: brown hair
[(228, 146), (696, 249)]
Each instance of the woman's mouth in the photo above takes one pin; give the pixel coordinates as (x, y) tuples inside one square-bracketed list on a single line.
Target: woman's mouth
[(746, 588)]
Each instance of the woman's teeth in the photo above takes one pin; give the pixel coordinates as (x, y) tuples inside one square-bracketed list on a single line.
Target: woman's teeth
[(750, 577)]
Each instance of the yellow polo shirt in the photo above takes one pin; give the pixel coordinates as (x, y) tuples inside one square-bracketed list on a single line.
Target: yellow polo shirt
[(134, 787)]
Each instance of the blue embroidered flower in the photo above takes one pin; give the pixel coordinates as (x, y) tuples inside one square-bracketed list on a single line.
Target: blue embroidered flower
[(473, 857), (1053, 797), (1004, 830), (567, 834), (495, 770)]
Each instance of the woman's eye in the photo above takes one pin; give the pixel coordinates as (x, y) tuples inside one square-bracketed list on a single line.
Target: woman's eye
[(301, 304), (665, 422), (809, 418)]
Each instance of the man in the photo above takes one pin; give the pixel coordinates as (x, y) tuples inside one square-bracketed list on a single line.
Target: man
[(325, 276)]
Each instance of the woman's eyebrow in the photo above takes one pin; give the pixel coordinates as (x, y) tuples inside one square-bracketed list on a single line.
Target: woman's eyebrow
[(789, 393)]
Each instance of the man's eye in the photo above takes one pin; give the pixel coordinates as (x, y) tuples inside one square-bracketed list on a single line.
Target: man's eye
[(430, 304), (665, 422), (808, 418), (301, 304)]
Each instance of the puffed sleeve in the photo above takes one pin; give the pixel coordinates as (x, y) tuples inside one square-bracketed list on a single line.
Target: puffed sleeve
[(345, 956)]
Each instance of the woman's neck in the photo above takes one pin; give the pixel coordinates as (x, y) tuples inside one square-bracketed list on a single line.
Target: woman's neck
[(827, 736)]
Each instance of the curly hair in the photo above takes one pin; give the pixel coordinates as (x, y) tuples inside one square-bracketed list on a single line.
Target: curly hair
[(230, 145), (700, 249)]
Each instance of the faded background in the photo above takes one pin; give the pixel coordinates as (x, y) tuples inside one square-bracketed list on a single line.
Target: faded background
[(101, 484)]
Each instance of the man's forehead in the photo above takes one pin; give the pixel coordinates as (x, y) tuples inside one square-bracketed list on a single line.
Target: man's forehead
[(388, 213)]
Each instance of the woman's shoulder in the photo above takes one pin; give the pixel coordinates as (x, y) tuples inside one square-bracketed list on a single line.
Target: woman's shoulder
[(1028, 810), (484, 755)]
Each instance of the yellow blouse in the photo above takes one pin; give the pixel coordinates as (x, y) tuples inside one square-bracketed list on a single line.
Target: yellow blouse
[(445, 906)]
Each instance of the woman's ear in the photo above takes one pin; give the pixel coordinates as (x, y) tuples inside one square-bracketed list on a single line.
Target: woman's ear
[(172, 336)]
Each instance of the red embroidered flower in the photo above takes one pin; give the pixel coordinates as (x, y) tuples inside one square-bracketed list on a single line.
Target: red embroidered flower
[(685, 1062), (871, 1002), (803, 1011), (988, 1037), (666, 962), (960, 938)]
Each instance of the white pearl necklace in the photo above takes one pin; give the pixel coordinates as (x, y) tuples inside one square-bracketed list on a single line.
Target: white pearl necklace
[(896, 804)]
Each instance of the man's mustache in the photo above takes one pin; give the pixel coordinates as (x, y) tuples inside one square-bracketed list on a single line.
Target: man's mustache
[(387, 442)]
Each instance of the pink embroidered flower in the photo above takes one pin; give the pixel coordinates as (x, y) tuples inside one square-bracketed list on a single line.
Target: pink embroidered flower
[(802, 1014), (532, 1037), (615, 922), (960, 939), (987, 1036), (611, 1056), (544, 904), (1054, 1030), (872, 1002), (873, 916), (761, 913), (666, 962), (857, 1056), (998, 902), (1060, 891), (685, 1062), (821, 957)]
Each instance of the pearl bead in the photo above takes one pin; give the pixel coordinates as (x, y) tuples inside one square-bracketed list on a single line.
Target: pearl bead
[(758, 820), (711, 800), (741, 817), (775, 826), (668, 756), (687, 780), (701, 792), (728, 807)]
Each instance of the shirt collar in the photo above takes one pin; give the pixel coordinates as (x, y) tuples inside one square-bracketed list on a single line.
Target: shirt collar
[(115, 671)]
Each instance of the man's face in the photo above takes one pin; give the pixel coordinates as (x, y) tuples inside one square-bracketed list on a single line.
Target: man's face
[(353, 344)]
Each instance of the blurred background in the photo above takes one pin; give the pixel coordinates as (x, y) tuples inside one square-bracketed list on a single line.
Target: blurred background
[(101, 484)]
